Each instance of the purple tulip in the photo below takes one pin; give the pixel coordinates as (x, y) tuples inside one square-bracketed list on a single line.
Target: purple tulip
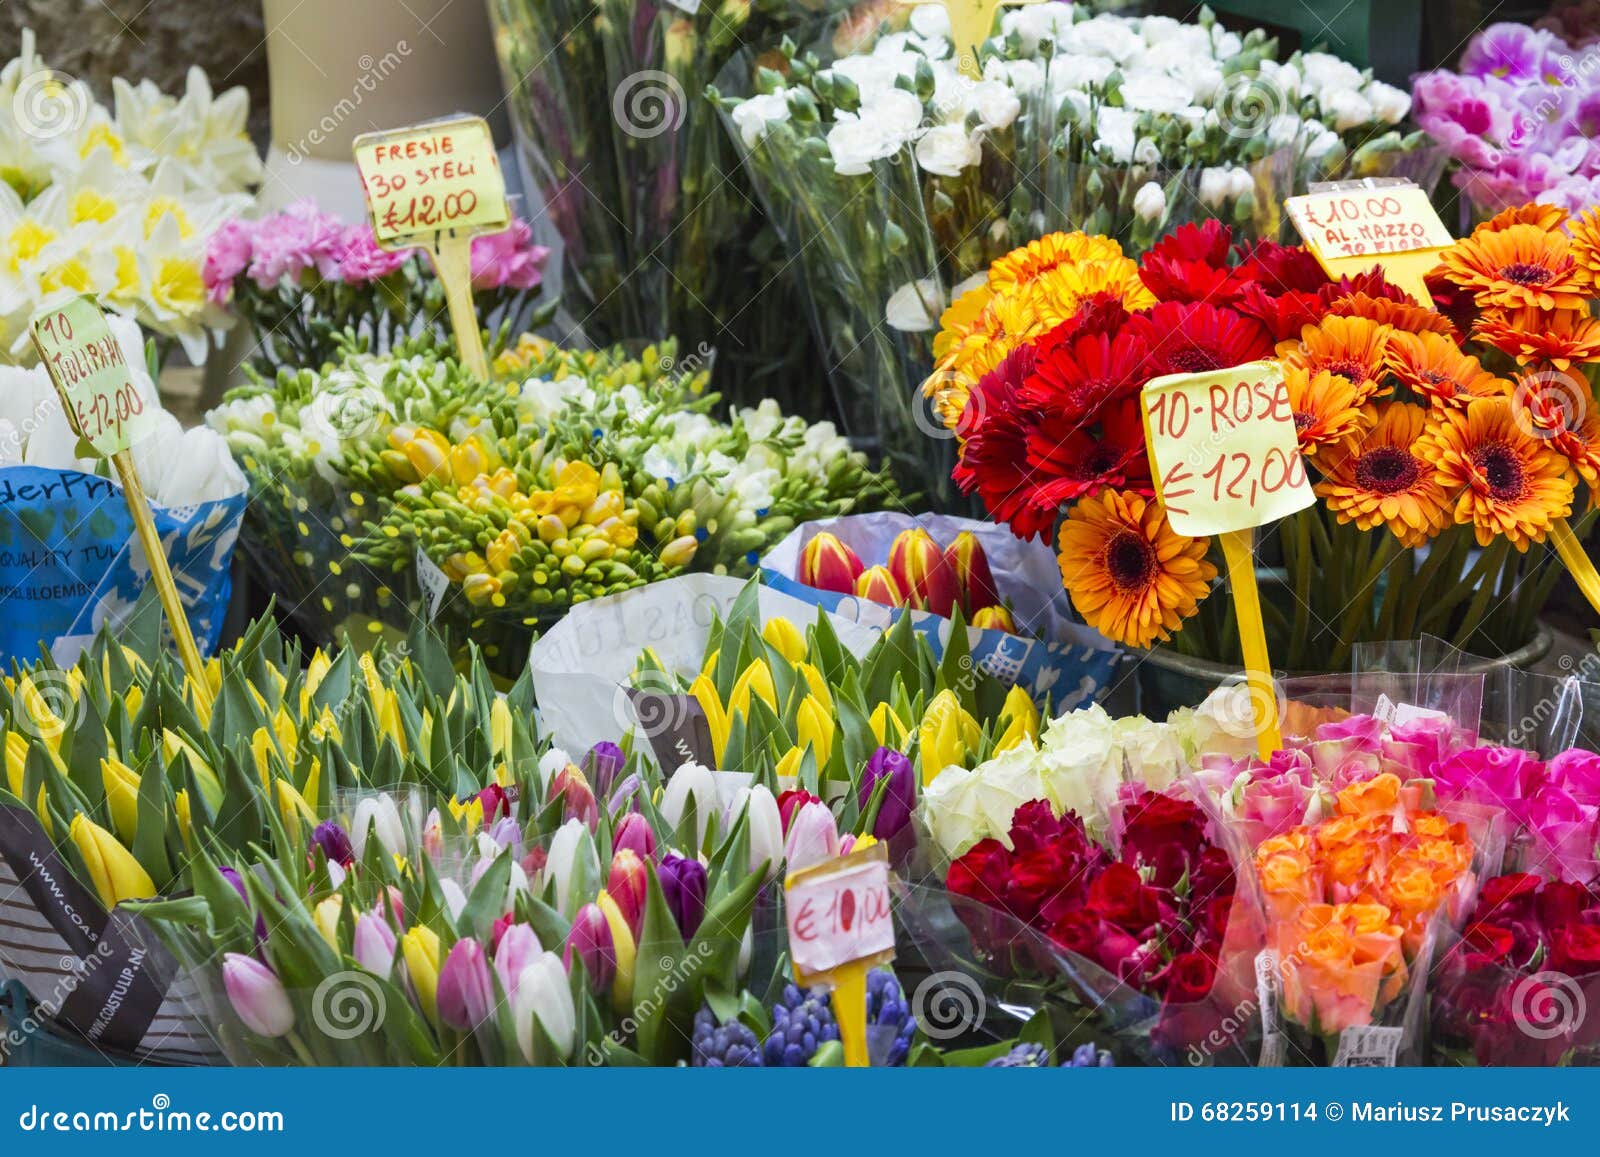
[(899, 798), (635, 834), (373, 944), (683, 883), (603, 763), (590, 940), (237, 883), (257, 995), (623, 794), (465, 993), (507, 833), (334, 842), (519, 947)]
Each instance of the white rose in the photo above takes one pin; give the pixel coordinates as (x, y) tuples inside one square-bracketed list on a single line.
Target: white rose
[(1151, 751), (1348, 109), (1147, 91), (915, 306), (1224, 724), (1080, 763), (1150, 203), (996, 105), (1389, 104), (1004, 784), (950, 811), (947, 150), (754, 115)]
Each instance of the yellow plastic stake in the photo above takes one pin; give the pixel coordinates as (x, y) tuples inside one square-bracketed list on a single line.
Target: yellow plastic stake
[(1577, 562), (850, 1008), (1238, 548), (971, 22), (452, 260)]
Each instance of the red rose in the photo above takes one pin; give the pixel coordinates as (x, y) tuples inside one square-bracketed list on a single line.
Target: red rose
[(1560, 903), (1210, 920), (1576, 950), (981, 873), (1078, 932), (1035, 878), (1035, 826), (1153, 822), (1190, 977), (1508, 897), (1487, 945), (1120, 896), (1188, 1014), (1211, 877)]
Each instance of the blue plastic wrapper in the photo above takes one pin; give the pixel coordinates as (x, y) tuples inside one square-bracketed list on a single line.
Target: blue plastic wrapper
[(71, 561), (1055, 657)]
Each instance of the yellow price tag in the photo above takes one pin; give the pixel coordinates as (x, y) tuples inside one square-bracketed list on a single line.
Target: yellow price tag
[(431, 178), (1350, 228)]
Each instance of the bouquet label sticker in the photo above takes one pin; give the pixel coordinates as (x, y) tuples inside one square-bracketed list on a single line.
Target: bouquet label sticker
[(1368, 222), (86, 364), (430, 178), (840, 914), (1223, 449), (1368, 1046), (1267, 990), (434, 582)]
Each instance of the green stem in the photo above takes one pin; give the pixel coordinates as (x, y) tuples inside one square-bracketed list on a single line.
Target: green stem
[(1297, 557), (1487, 589)]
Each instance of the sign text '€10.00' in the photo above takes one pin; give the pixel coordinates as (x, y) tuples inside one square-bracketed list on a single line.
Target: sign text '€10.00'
[(1368, 222), (1223, 449), (840, 912), (86, 363), (432, 178)]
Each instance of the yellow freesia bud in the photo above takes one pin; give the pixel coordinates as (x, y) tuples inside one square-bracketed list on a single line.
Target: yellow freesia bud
[(480, 588), (757, 678), (1020, 719), (785, 638), (622, 945), (420, 948), (326, 917), (706, 695), (887, 727), (814, 725), (116, 875), (122, 796), (947, 735)]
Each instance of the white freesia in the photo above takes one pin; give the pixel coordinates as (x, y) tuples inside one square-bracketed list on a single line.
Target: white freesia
[(995, 103), (1326, 74), (1214, 186), (1104, 35), (947, 149), (930, 20), (1347, 109), (1389, 104), (1156, 92)]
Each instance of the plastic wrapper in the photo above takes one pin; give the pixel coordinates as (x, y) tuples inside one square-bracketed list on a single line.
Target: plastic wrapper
[(71, 561), (1055, 658)]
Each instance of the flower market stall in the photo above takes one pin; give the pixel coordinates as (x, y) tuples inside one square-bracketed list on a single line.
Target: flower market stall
[(1021, 536)]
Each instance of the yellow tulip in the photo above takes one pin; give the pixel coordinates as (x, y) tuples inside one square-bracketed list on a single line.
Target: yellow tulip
[(122, 796), (469, 815), (420, 947), (785, 638), (706, 695), (42, 810), (294, 810), (500, 726), (200, 704), (326, 917), (116, 875), (47, 725), (133, 700), (180, 803), (312, 787), (172, 744), (16, 761), (326, 727), (1020, 719), (757, 678), (814, 723), (261, 752), (947, 735), (789, 766), (887, 727), (287, 734), (710, 664), (621, 944)]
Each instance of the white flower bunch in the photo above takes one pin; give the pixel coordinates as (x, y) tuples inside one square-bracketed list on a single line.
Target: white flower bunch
[(1080, 762), (116, 203), (178, 467)]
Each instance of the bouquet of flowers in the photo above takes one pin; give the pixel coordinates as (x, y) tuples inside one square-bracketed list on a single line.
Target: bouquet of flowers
[(1514, 990), (571, 476), (1518, 116), (302, 279), (1126, 125), (119, 203), (641, 184)]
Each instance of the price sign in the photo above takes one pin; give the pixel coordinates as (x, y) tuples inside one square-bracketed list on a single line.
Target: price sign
[(1353, 226), (840, 914), (80, 353), (431, 178), (971, 23), (1223, 449)]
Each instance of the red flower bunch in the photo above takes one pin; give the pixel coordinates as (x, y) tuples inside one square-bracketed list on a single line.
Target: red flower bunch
[(1057, 419), (1516, 986), (1155, 916)]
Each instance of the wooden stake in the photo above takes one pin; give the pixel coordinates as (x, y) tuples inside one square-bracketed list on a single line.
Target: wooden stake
[(1238, 549), (452, 260)]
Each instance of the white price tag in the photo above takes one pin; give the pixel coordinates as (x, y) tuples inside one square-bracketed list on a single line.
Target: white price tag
[(434, 582), (840, 912), (1368, 1046)]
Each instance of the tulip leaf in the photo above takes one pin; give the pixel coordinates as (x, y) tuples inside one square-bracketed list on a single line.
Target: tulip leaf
[(620, 1056), (431, 660), (150, 836), (488, 899), (893, 654), (87, 737), (826, 652), (956, 671), (657, 976)]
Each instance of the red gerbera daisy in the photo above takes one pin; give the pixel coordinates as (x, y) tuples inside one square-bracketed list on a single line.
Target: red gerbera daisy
[(1074, 459), (1191, 264), (1284, 268), (1191, 337), (1284, 315), (1371, 282), (1073, 378), (1098, 313), (994, 457)]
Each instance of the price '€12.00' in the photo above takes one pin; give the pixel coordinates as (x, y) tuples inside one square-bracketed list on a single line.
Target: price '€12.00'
[(431, 178), (1223, 449)]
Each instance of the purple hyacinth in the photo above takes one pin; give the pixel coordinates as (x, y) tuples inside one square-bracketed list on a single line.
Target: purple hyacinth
[(1089, 1056), (887, 1008), (801, 1022), (1025, 1056), (731, 1045)]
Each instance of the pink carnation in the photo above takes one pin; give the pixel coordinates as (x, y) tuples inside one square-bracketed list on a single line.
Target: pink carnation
[(508, 259), (227, 256), (360, 259), (287, 244)]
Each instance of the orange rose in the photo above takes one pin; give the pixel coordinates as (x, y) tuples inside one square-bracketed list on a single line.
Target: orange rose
[(1376, 796)]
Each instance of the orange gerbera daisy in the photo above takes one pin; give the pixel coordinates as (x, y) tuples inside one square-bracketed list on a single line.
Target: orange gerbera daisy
[(1403, 315), (1559, 408), (1521, 265), (1355, 348), (1502, 479), (1546, 217), (1058, 294), (960, 319), (1022, 266), (1131, 576), (1435, 367), (1377, 479), (1557, 336), (1586, 242), (1327, 408)]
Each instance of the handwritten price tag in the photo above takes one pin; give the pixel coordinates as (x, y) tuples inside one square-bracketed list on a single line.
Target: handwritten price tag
[(87, 366), (1368, 222), (1223, 449), (430, 178), (839, 914)]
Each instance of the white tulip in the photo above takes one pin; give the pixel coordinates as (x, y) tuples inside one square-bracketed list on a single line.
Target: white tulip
[(572, 859), (766, 826), (203, 471), (544, 994), (377, 815), (691, 782)]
